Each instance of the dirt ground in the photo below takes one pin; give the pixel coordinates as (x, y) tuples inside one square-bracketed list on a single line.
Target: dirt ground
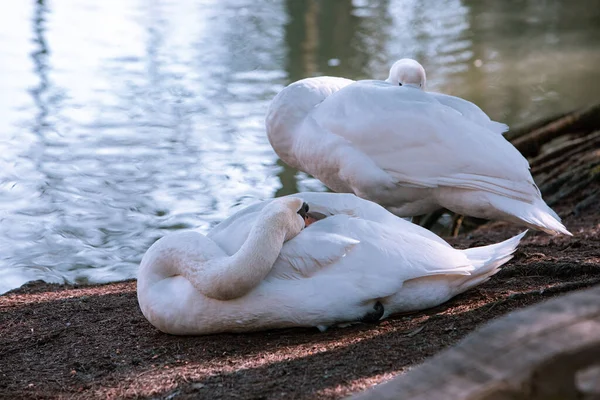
[(93, 342)]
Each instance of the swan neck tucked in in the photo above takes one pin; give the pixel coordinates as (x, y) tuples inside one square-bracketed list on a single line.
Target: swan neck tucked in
[(238, 274), (263, 245)]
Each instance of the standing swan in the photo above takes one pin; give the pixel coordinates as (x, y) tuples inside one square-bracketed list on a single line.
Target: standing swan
[(409, 150), (259, 269)]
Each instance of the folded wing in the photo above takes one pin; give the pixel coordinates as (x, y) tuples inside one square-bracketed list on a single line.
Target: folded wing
[(421, 143), (470, 111)]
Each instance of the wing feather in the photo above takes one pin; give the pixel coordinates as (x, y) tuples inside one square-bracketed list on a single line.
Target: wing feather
[(423, 144), (470, 111), (311, 251)]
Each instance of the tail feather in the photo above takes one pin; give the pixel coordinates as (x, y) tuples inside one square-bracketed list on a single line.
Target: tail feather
[(536, 215), (540, 216), (487, 260), (498, 127)]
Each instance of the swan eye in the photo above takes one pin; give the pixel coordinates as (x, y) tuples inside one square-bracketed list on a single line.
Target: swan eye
[(399, 83)]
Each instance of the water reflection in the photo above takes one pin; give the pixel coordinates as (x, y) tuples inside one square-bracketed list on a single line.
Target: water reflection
[(123, 120), (339, 38)]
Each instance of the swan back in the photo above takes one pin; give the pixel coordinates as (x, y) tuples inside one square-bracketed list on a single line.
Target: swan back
[(289, 108), (436, 145), (231, 234), (407, 72)]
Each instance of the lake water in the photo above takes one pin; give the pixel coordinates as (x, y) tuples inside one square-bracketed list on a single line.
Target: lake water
[(122, 120)]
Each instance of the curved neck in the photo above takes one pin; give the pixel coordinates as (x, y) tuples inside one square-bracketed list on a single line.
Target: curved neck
[(232, 277), (291, 106)]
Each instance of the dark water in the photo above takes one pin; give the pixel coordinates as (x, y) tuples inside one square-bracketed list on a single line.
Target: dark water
[(122, 120)]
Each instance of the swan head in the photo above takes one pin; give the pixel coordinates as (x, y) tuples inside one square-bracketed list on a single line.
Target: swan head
[(407, 72), (310, 217), (289, 213)]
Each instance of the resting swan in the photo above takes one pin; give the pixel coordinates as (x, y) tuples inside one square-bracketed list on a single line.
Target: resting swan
[(408, 150), (261, 269)]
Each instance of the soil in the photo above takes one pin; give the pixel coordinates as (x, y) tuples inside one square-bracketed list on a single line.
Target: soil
[(93, 342)]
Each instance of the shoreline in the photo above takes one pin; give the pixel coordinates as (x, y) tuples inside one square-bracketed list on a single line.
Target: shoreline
[(91, 341)]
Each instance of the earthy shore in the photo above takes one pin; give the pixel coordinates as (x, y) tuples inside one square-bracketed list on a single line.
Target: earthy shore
[(93, 342)]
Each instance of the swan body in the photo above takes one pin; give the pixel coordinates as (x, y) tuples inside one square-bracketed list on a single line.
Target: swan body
[(408, 150), (360, 263)]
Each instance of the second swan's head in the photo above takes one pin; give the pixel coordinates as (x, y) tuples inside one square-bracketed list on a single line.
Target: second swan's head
[(407, 72)]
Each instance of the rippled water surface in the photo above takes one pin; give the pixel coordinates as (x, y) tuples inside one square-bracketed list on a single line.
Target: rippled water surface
[(122, 120)]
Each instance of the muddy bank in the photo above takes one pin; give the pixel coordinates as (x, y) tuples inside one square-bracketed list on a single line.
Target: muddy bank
[(93, 342)]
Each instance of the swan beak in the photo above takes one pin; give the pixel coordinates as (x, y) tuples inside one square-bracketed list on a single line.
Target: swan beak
[(303, 210), (312, 217)]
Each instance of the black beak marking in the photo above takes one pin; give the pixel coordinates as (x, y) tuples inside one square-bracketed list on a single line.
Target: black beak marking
[(303, 210)]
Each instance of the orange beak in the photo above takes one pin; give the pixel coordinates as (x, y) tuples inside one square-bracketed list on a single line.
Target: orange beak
[(308, 220), (312, 217)]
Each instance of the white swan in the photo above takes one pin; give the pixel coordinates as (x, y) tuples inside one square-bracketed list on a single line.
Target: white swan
[(255, 271), (405, 149)]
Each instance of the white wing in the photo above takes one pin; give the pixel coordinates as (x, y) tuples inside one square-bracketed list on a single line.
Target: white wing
[(419, 143), (360, 246), (470, 111), (316, 247), (370, 256), (233, 231)]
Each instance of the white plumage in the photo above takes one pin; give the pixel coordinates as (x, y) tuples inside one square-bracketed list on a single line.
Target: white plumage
[(408, 150), (407, 72), (360, 262)]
